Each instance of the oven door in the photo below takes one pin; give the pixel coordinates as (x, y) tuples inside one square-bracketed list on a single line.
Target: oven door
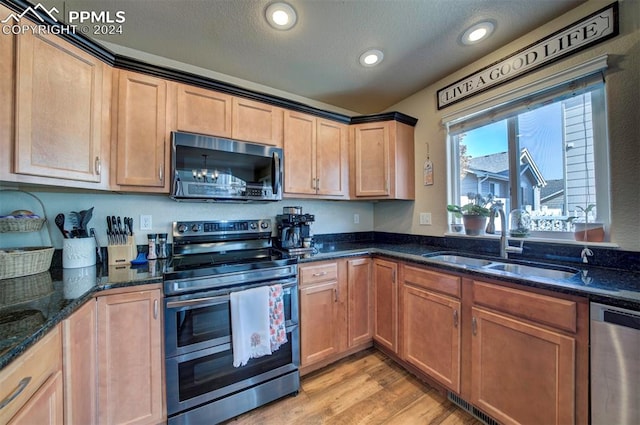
[(203, 320), (207, 375)]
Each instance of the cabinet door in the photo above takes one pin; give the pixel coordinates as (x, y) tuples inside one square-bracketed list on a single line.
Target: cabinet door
[(203, 111), (371, 159), (256, 122), (299, 153), (130, 383), (79, 345), (521, 373), (45, 407), (331, 159), (386, 303), (360, 308), (58, 110), (432, 335), (141, 146), (318, 322)]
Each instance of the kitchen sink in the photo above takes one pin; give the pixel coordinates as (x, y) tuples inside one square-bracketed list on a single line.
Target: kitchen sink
[(533, 271), (460, 260), (496, 266)]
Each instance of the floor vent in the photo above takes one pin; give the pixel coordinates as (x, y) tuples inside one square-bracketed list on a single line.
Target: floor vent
[(471, 409)]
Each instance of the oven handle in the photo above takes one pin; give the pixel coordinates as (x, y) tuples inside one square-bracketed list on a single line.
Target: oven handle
[(205, 301), (198, 301)]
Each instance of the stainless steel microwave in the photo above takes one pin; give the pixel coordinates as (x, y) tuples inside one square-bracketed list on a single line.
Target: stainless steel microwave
[(206, 168)]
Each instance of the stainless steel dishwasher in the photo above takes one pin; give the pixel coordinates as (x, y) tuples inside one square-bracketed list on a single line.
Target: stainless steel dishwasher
[(615, 365)]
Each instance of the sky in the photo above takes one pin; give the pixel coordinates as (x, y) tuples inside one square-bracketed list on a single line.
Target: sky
[(540, 132)]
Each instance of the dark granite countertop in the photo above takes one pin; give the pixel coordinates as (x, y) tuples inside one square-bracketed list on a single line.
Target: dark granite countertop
[(32, 305)]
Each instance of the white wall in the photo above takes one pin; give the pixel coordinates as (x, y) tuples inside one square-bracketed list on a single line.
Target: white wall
[(331, 216), (623, 102)]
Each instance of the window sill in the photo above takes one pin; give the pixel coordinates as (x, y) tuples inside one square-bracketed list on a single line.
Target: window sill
[(568, 240)]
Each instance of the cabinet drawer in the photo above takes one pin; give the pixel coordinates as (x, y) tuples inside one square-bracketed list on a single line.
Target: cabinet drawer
[(435, 281), (318, 273), (556, 312), (29, 372)]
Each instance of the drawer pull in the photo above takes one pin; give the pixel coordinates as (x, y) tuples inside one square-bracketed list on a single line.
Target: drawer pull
[(319, 274), (21, 386)]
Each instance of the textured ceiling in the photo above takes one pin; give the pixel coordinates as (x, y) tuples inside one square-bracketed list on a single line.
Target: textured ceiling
[(318, 58)]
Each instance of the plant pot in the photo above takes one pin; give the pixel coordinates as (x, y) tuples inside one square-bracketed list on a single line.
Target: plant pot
[(589, 232), (474, 225)]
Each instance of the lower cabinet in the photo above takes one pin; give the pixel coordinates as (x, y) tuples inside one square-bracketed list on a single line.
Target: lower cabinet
[(522, 369), (31, 387), (130, 384), (335, 310), (432, 324), (385, 290)]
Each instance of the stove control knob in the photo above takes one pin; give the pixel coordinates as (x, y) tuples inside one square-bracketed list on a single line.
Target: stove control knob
[(253, 225), (264, 224), (195, 228), (182, 228)]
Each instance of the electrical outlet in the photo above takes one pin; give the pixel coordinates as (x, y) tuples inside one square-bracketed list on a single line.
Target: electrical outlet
[(425, 218), (145, 222), (356, 219)]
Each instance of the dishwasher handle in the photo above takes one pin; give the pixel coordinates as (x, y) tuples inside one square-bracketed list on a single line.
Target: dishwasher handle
[(615, 316)]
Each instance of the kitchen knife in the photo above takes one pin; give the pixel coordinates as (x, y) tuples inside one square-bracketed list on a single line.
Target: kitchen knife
[(114, 226), (109, 231)]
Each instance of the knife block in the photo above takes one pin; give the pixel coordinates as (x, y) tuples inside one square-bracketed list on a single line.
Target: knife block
[(122, 254)]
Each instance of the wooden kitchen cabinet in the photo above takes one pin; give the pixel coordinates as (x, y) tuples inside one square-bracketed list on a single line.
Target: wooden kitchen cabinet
[(256, 122), (382, 160), (319, 312), (432, 324), (360, 307), (141, 139), (130, 363), (79, 347), (524, 370), (203, 111), (61, 114), (385, 289), (32, 384), (316, 156)]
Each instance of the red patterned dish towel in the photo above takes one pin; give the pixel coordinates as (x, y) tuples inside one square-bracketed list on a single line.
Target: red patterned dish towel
[(277, 330)]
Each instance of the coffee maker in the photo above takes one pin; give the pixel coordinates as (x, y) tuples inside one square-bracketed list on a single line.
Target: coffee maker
[(294, 230)]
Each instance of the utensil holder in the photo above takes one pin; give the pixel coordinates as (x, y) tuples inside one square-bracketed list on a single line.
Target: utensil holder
[(78, 252), (122, 254)]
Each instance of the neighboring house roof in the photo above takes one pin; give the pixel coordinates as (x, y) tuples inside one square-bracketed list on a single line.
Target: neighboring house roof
[(553, 189), (497, 166)]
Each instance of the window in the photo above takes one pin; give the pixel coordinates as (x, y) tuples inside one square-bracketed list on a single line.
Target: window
[(545, 153)]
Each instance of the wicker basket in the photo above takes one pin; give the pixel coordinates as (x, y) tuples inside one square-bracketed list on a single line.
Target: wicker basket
[(24, 261), (21, 224)]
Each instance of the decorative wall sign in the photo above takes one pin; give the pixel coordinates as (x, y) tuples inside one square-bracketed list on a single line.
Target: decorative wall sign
[(591, 30)]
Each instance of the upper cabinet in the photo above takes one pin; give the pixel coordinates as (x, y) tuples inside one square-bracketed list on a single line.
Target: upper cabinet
[(203, 111), (316, 156), (256, 122), (382, 161), (59, 111), (140, 148)]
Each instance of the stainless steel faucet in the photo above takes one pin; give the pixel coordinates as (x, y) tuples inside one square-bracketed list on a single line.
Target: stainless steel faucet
[(505, 249)]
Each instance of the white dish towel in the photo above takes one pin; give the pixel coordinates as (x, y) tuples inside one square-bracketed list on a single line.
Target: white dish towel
[(250, 324)]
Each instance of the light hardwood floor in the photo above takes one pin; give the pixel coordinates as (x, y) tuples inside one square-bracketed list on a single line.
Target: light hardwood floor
[(365, 388)]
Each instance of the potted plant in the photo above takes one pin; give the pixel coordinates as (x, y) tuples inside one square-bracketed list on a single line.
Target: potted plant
[(474, 214), (586, 231)]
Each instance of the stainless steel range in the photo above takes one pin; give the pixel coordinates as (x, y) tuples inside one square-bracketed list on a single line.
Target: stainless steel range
[(212, 259)]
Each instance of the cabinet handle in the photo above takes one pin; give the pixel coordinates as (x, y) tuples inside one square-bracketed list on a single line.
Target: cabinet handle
[(21, 386), (455, 318), (317, 185), (313, 184), (335, 293), (155, 309), (474, 326), (393, 276), (160, 169), (98, 165), (319, 274)]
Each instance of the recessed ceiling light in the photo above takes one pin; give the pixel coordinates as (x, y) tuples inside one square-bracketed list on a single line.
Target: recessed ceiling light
[(281, 16), (371, 57), (477, 32)]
